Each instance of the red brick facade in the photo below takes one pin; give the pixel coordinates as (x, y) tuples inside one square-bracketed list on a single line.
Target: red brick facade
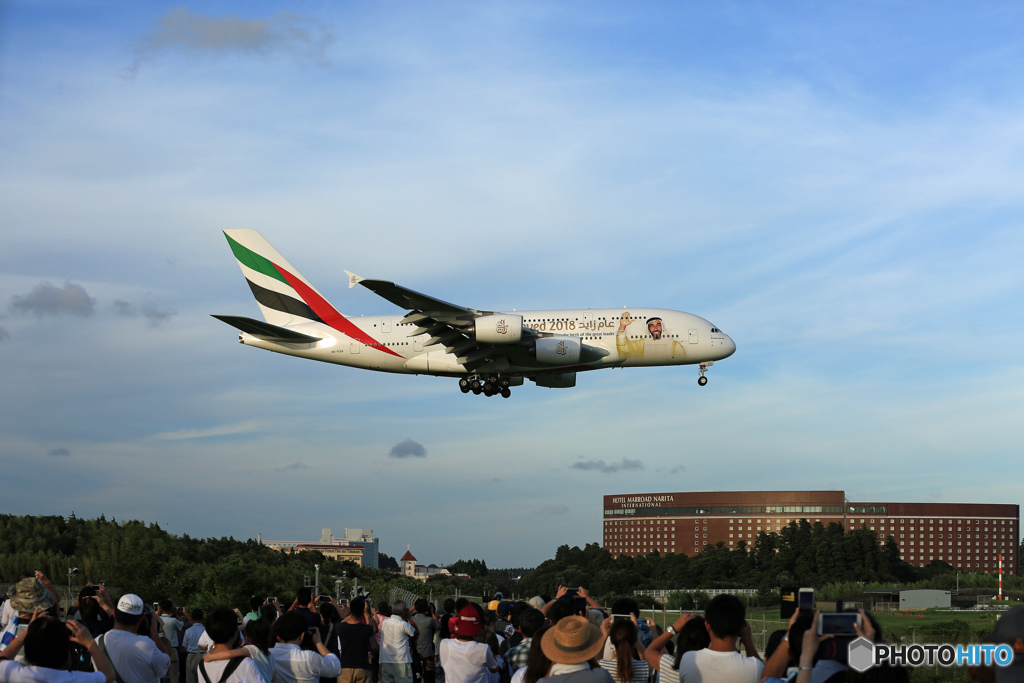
[(968, 536)]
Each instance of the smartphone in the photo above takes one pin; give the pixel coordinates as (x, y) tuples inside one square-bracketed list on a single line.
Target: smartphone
[(787, 602), (838, 623), (325, 598), (806, 598), (571, 593), (272, 600), (621, 617)]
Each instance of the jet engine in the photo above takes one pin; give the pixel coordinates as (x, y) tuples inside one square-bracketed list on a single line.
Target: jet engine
[(558, 350), (501, 328)]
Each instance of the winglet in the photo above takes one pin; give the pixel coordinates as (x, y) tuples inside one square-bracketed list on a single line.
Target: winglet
[(353, 279)]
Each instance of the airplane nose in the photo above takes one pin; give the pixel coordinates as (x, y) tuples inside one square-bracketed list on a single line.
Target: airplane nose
[(730, 346)]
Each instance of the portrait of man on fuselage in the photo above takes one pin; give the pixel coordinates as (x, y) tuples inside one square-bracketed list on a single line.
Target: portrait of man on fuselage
[(657, 346)]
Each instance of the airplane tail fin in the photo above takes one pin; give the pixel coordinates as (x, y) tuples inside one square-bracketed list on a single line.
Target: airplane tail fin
[(284, 296)]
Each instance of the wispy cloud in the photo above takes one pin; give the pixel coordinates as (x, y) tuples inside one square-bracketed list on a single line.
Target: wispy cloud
[(46, 299), (59, 452), (408, 449), (627, 464), (223, 430), (156, 316), (299, 36), (294, 467)]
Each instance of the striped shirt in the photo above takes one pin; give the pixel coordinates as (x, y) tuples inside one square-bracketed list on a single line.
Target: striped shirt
[(640, 670)]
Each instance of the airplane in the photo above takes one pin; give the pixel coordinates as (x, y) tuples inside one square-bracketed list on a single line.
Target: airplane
[(487, 351)]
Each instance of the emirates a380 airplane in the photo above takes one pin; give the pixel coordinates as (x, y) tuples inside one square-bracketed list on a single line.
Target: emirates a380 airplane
[(488, 351)]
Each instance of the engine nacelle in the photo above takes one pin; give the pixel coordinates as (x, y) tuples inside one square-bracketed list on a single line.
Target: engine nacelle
[(566, 380), (558, 350), (501, 328)]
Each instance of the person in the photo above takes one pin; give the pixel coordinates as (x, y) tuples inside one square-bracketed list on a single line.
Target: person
[(354, 635), (463, 658), (255, 603), (537, 664), (426, 628), (653, 347), (444, 621), (719, 661), (530, 621), (31, 596), (628, 665), (293, 664), (395, 656), (95, 610), (224, 663), (194, 654), (258, 635), (573, 645), (136, 658), (305, 606), (47, 644), (172, 628)]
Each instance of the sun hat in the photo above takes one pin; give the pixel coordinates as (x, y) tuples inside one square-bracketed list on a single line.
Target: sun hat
[(572, 640), (30, 594)]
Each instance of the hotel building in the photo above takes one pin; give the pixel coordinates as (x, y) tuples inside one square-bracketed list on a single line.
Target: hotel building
[(968, 536)]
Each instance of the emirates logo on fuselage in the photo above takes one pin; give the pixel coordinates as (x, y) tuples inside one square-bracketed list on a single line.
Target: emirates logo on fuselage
[(502, 327), (560, 348)]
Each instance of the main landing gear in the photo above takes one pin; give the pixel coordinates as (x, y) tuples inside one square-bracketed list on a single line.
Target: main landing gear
[(702, 380), (491, 385)]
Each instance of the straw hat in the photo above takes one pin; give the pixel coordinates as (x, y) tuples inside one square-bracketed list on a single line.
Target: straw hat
[(571, 641)]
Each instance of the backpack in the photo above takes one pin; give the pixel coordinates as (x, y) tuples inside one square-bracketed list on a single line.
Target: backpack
[(228, 670)]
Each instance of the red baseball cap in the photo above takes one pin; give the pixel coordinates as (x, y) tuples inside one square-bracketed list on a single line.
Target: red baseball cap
[(469, 623)]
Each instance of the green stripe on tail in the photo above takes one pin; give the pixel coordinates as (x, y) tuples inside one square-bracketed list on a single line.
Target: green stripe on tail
[(250, 259)]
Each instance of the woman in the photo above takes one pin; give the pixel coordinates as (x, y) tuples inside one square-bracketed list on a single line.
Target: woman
[(538, 665), (47, 643), (692, 635), (628, 666), (573, 645)]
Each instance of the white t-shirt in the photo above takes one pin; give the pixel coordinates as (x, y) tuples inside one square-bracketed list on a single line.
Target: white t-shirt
[(245, 673), (136, 658), (394, 643), (466, 661), (294, 665), (711, 666), (6, 614), (16, 672)]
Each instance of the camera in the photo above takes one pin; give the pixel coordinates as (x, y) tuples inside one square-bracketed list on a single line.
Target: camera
[(838, 623)]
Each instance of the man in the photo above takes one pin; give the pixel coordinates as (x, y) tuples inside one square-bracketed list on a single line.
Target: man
[(395, 657), (305, 606), (222, 627), (529, 623), (719, 662), (172, 631), (651, 348), (295, 665), (190, 641), (136, 658), (354, 635), (426, 627), (463, 659)]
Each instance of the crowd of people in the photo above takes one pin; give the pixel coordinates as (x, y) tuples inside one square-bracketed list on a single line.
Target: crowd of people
[(569, 638)]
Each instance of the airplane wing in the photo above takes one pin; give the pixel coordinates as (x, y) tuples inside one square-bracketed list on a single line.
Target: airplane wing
[(448, 324), (266, 331)]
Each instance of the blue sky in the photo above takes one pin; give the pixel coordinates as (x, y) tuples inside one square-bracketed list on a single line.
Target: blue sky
[(838, 187)]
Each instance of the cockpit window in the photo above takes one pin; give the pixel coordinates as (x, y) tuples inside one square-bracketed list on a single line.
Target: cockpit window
[(715, 329)]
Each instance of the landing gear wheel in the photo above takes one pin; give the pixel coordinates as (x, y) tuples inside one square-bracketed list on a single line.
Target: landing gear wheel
[(475, 384), (702, 380), (476, 390), (504, 382), (505, 392), (488, 391), (463, 383), (492, 379), (464, 388)]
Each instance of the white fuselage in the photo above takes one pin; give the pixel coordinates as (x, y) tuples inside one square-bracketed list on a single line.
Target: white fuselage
[(683, 339)]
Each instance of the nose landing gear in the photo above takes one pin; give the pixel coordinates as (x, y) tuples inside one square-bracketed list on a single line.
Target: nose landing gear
[(702, 380), (492, 385)]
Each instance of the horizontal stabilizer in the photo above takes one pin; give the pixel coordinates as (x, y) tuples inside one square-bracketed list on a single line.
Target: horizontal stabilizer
[(266, 331)]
